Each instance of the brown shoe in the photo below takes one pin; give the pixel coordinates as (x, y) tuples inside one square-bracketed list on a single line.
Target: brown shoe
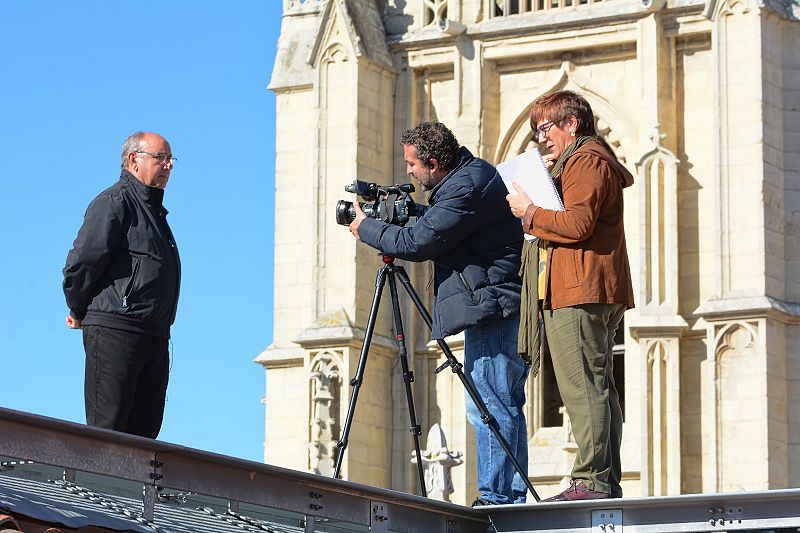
[(577, 491)]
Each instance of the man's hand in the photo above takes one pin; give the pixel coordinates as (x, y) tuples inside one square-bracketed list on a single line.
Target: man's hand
[(357, 221), (519, 202), (73, 323)]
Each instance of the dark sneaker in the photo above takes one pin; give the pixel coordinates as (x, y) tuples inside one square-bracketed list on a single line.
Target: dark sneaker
[(577, 491), (480, 502)]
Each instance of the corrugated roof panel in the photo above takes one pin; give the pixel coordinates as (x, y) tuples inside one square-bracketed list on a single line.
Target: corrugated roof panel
[(66, 504)]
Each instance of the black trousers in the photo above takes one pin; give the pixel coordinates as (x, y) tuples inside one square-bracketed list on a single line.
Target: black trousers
[(126, 380)]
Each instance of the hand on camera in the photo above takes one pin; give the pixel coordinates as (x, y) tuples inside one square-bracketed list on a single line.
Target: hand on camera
[(357, 221)]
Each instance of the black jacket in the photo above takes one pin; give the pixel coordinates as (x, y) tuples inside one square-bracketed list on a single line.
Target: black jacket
[(123, 270), (474, 241)]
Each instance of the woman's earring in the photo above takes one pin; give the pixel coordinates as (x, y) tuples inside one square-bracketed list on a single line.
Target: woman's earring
[(572, 133)]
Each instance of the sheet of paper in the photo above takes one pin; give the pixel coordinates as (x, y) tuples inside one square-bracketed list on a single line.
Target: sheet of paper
[(530, 173)]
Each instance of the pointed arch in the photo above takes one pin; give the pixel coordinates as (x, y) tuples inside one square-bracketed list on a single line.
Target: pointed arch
[(716, 9), (335, 53), (734, 335), (737, 389), (518, 137)]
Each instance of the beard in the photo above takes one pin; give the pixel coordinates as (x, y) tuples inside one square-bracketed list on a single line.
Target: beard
[(426, 180)]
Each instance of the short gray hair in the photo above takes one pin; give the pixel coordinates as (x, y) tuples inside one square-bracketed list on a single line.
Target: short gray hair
[(131, 144)]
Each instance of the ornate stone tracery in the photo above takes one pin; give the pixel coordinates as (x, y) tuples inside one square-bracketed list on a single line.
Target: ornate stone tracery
[(325, 381), (435, 12)]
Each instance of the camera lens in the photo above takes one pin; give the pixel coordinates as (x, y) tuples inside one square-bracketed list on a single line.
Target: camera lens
[(345, 213)]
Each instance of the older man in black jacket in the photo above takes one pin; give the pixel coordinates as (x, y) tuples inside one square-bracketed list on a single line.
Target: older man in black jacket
[(121, 282), (474, 241)]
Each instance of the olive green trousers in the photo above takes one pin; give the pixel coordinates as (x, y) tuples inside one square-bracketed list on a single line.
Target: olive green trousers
[(581, 340)]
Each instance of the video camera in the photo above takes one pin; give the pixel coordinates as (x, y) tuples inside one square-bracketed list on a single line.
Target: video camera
[(390, 203)]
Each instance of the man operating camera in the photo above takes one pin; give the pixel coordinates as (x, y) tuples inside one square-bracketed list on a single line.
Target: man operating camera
[(474, 241)]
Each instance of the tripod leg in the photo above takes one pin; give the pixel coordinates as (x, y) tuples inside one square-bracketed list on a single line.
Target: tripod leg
[(380, 281), (408, 377), (457, 369)]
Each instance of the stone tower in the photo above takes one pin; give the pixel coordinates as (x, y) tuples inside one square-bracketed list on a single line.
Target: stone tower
[(700, 100)]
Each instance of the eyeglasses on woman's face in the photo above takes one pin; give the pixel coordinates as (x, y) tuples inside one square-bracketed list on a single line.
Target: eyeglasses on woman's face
[(541, 131)]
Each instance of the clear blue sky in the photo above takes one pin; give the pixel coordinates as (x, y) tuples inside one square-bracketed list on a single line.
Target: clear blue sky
[(78, 77)]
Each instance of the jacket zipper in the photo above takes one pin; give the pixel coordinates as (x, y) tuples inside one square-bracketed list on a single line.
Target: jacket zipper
[(129, 289), (466, 285)]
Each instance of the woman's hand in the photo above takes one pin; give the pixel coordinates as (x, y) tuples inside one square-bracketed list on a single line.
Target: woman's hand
[(549, 161), (519, 202)]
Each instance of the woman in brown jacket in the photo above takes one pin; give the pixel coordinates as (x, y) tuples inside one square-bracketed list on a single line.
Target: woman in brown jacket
[(587, 284)]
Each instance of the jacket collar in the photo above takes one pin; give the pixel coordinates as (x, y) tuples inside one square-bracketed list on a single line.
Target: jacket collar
[(151, 195), (464, 157)]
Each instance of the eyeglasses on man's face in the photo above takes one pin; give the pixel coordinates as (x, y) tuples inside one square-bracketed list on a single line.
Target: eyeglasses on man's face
[(160, 157), (542, 130)]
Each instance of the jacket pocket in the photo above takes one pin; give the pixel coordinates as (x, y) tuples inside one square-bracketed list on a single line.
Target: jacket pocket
[(573, 267), (129, 287), (470, 292)]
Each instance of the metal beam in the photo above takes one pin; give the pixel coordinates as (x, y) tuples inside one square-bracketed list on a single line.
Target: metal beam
[(74, 446), (746, 511)]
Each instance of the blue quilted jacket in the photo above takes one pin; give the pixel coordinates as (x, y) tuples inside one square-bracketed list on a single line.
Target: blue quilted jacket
[(474, 241)]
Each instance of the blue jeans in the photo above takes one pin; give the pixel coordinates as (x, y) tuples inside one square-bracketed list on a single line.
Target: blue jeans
[(493, 364)]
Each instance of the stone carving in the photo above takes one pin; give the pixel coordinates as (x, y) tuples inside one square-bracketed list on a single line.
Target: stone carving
[(736, 337), (437, 461), (435, 12), (325, 378)]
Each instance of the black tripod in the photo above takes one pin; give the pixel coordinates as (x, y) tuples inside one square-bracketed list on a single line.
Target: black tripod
[(392, 271)]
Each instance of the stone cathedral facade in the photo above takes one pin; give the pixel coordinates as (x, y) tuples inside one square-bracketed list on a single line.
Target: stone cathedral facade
[(700, 99)]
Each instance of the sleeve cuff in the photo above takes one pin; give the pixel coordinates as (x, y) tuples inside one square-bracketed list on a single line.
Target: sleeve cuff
[(369, 231), (527, 220)]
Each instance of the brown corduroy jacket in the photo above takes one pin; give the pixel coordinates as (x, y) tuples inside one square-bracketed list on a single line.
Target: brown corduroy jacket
[(587, 260)]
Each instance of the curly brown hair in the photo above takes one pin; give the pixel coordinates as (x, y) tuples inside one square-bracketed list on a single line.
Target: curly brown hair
[(560, 105), (433, 140)]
